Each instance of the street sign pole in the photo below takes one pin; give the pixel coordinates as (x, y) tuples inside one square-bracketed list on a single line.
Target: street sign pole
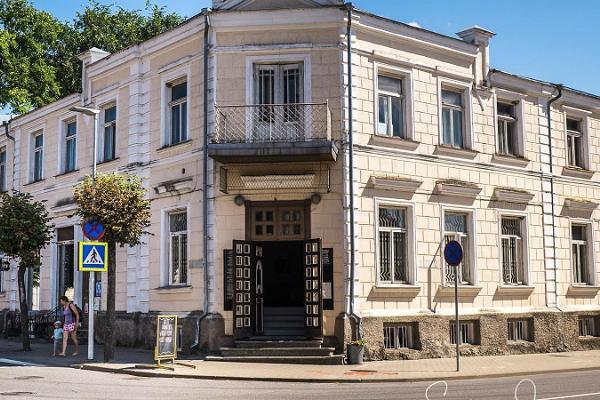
[(92, 283), (453, 255), (456, 321)]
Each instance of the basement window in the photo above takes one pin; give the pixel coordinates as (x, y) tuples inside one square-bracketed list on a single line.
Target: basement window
[(399, 336), (469, 332), (587, 327), (520, 330)]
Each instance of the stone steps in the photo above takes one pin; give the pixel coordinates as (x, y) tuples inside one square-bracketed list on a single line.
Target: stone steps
[(337, 359), (276, 351)]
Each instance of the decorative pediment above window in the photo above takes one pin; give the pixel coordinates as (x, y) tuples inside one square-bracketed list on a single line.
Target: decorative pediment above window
[(456, 188), (396, 184), (178, 186), (65, 206), (512, 195), (581, 205)]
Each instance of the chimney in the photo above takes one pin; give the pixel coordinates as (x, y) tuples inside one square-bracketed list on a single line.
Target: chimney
[(481, 38), (89, 57)]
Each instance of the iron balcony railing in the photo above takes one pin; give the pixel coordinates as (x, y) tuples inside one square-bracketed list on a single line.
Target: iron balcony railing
[(262, 123)]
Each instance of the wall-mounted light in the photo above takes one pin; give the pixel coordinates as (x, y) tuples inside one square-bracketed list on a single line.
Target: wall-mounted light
[(239, 200), (315, 198)]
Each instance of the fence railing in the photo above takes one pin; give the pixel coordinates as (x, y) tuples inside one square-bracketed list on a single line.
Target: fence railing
[(261, 123)]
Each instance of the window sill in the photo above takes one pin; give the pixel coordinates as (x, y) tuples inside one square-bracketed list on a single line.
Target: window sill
[(515, 161), (515, 290), (578, 172), (589, 338), (393, 142), (443, 150), (108, 161), (175, 289), (172, 146), (34, 182), (391, 291), (583, 290), (468, 291), (2, 294), (67, 173)]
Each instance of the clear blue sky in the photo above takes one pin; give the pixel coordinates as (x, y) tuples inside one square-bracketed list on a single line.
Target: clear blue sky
[(557, 41)]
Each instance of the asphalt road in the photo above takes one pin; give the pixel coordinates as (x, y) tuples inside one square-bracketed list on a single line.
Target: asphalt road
[(65, 383)]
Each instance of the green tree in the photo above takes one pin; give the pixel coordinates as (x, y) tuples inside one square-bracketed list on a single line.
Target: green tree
[(119, 203), (38, 53), (25, 230)]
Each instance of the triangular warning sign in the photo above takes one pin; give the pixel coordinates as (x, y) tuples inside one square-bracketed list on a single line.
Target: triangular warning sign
[(93, 258)]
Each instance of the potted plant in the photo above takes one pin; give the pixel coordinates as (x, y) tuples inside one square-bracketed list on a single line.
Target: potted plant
[(356, 351)]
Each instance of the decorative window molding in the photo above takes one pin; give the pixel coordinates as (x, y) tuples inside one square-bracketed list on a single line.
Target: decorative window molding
[(577, 142), (395, 184), (513, 234), (405, 77), (512, 195), (168, 80), (581, 205), (175, 247), (456, 188), (581, 252), (179, 186)]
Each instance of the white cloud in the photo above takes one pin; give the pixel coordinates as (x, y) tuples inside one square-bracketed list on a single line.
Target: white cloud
[(415, 24)]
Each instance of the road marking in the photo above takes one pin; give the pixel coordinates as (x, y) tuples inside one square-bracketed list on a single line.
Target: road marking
[(573, 396), (19, 363)]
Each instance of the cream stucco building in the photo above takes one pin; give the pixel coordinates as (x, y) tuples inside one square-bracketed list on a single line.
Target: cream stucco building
[(342, 150)]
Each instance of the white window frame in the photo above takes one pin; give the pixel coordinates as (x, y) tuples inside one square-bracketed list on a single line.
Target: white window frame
[(467, 96), (593, 327), (524, 217), (406, 75), (584, 155), (4, 175), (506, 96), (168, 78), (471, 328), (590, 243), (411, 257), (165, 245), (471, 225), (32, 153), (102, 127), (516, 324), (394, 329), (62, 128)]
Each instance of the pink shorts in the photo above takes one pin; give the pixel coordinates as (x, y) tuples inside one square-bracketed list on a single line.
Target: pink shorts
[(69, 327)]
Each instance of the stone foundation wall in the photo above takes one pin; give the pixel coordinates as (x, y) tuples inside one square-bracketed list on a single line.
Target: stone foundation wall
[(139, 330), (552, 332)]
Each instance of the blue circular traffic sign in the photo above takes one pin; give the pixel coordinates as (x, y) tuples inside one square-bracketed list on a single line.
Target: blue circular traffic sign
[(453, 253), (93, 230)]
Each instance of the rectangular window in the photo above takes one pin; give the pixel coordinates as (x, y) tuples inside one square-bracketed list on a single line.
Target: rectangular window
[(109, 138), (390, 106), (178, 258), (587, 326), (513, 271), (70, 148), (456, 227), (393, 245), (38, 157), (520, 330), (579, 254), (178, 112), (3, 169), (507, 129), (468, 331), (574, 143), (399, 336), (453, 118)]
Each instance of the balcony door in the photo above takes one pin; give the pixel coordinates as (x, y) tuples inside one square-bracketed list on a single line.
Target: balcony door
[(278, 115)]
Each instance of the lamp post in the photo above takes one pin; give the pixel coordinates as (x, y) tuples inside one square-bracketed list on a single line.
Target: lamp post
[(91, 112)]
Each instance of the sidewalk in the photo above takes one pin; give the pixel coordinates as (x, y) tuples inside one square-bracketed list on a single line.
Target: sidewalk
[(417, 370)]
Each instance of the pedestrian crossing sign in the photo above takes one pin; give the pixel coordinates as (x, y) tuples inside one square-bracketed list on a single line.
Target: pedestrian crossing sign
[(93, 256)]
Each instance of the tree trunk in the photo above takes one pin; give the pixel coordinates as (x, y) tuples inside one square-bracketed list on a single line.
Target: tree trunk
[(24, 309), (110, 304)]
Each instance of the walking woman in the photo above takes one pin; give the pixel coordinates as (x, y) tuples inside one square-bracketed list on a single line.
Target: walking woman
[(70, 325)]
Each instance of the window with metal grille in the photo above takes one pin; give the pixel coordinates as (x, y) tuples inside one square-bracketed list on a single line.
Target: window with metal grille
[(178, 253), (512, 251), (178, 112), (390, 106), (453, 118), (507, 132), (456, 227), (109, 138), (520, 330), (574, 143), (3, 169), (70, 156), (399, 336), (587, 326), (468, 332), (37, 157), (579, 254), (393, 245)]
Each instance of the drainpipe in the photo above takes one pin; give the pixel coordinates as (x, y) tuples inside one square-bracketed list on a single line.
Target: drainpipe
[(355, 318)]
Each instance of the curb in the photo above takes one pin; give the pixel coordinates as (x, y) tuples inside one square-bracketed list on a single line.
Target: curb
[(147, 374)]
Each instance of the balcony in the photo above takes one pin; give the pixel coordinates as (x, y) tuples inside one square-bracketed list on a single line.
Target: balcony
[(273, 133)]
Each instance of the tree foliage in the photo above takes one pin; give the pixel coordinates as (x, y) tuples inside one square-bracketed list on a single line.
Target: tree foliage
[(118, 202), (38, 53)]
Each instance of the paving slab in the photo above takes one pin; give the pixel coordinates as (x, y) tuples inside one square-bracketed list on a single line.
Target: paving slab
[(378, 371)]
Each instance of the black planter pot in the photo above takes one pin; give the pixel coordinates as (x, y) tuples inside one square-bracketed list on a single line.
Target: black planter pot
[(355, 354)]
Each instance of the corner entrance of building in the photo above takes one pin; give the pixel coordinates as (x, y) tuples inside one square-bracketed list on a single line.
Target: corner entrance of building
[(277, 277)]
